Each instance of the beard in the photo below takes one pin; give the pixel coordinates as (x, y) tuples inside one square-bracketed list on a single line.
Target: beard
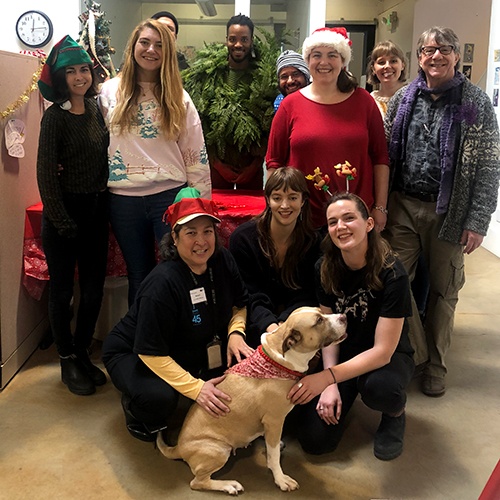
[(240, 56)]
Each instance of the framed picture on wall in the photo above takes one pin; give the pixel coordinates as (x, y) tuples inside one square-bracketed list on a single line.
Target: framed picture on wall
[(495, 97), (468, 52), (496, 78), (467, 70)]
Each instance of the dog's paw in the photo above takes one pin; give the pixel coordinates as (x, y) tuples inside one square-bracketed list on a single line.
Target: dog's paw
[(287, 483), (233, 487)]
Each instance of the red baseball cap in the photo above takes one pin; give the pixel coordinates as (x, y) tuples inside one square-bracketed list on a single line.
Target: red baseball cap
[(188, 209)]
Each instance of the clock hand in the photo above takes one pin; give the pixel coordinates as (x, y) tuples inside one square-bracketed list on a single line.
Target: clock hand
[(33, 26)]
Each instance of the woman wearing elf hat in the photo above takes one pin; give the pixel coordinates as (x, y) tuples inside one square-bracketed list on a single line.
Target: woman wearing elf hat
[(185, 326), (330, 122), (156, 147), (72, 176)]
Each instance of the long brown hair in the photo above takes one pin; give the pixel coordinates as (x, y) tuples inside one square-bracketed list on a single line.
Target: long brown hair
[(379, 254), (168, 92), (303, 235)]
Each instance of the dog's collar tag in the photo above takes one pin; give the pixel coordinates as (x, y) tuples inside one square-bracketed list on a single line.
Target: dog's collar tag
[(198, 295)]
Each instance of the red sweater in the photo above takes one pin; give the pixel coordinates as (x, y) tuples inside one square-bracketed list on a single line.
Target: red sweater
[(306, 135)]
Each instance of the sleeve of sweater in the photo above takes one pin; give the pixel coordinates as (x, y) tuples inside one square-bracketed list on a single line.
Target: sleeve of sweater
[(377, 145), (482, 150), (192, 146), (47, 169), (244, 247), (278, 146), (174, 375)]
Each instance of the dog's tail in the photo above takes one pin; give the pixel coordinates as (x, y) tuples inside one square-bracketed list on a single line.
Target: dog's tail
[(167, 451)]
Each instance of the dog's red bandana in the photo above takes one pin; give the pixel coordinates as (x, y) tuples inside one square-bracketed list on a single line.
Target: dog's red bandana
[(260, 365)]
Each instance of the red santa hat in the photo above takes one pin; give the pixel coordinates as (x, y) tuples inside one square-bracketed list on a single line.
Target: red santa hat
[(329, 37)]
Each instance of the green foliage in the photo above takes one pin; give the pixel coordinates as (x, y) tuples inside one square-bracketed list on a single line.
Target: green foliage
[(234, 117)]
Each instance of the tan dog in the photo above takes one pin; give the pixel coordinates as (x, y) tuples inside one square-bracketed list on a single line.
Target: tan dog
[(258, 405)]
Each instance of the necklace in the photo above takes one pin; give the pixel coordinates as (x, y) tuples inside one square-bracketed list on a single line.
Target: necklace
[(147, 88)]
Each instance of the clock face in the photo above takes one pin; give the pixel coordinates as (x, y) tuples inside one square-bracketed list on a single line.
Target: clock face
[(34, 28)]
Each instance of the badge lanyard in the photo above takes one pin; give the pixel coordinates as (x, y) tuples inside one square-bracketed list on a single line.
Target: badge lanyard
[(214, 348)]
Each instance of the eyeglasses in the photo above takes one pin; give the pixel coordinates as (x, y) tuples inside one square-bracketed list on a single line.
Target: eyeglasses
[(294, 75), (430, 50)]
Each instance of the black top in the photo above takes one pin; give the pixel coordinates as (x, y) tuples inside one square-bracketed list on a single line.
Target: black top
[(72, 158), (363, 307), (163, 321), (270, 300)]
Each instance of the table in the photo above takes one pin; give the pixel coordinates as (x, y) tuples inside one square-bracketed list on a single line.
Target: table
[(234, 207)]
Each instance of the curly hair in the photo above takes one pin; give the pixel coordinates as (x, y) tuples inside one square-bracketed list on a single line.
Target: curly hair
[(379, 254), (303, 235), (168, 91)]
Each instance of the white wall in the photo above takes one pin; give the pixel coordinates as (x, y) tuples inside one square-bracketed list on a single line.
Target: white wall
[(469, 20), (403, 33), (195, 29), (63, 14), (492, 240)]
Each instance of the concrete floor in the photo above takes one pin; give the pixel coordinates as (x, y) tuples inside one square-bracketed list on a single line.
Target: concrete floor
[(55, 445)]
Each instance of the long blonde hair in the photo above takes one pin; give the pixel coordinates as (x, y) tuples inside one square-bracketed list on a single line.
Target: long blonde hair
[(169, 93)]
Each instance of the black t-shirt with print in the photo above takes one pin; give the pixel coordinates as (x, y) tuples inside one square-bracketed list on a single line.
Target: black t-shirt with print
[(363, 307)]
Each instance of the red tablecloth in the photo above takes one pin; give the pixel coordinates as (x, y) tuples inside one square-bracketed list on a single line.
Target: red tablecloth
[(234, 208)]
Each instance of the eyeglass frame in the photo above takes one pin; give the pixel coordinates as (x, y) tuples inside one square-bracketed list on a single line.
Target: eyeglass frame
[(435, 49)]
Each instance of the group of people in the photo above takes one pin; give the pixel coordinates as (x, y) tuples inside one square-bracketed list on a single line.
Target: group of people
[(427, 184)]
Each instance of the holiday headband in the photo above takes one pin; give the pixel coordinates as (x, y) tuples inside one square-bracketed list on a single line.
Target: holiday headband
[(66, 52), (329, 37), (290, 58)]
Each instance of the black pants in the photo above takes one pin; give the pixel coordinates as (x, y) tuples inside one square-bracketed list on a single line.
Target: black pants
[(88, 250), (382, 390), (152, 400)]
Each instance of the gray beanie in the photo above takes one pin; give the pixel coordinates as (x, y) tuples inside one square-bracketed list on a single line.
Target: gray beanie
[(294, 59)]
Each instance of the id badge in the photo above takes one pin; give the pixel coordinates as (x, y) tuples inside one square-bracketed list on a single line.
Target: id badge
[(198, 295), (214, 354)]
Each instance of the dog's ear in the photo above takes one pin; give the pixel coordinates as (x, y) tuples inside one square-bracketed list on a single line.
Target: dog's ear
[(293, 338)]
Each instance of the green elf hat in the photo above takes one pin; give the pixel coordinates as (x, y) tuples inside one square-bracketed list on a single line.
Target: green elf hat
[(64, 53)]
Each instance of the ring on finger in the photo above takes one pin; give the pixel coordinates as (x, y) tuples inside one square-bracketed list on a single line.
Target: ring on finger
[(299, 385)]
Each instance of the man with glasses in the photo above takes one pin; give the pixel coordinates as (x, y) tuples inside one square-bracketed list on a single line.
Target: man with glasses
[(293, 74), (444, 150)]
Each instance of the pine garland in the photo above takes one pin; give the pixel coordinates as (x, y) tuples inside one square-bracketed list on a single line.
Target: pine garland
[(234, 118)]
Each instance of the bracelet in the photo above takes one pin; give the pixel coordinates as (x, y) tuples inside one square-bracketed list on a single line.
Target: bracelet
[(242, 334), (382, 209), (333, 375)]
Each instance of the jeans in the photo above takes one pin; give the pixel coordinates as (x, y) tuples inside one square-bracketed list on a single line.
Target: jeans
[(137, 222), (89, 251), (382, 390)]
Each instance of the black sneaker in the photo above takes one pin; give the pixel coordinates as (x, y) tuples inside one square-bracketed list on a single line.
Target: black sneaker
[(389, 437), (74, 375)]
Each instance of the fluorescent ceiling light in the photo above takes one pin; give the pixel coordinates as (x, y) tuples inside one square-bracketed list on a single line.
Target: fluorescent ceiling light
[(207, 7)]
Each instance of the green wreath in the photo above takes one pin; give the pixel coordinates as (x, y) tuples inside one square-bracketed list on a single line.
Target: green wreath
[(234, 118)]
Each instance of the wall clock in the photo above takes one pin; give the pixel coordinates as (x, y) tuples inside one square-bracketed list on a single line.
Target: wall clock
[(34, 28)]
